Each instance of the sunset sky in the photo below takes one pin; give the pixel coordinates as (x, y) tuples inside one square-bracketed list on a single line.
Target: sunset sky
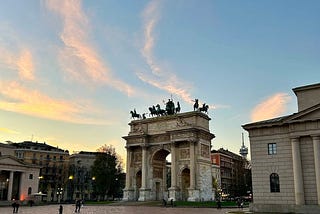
[(71, 71)]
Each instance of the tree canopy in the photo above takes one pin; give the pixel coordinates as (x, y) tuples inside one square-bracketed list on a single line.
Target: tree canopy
[(107, 170)]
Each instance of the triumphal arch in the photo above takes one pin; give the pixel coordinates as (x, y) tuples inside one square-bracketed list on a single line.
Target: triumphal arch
[(186, 136)]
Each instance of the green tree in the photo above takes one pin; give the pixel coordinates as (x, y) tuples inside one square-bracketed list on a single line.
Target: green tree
[(106, 170)]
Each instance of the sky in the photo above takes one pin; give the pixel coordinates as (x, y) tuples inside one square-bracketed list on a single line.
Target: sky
[(71, 71)]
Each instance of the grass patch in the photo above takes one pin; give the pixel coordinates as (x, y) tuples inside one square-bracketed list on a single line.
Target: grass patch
[(204, 204), (98, 202)]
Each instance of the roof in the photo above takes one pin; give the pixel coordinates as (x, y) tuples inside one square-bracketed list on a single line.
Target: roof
[(307, 87), (38, 146), (279, 121)]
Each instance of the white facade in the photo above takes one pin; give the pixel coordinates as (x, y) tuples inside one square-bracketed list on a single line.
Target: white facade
[(18, 180), (285, 155)]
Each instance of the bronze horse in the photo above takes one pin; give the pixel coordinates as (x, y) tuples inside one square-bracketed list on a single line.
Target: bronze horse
[(178, 108), (196, 104), (160, 111), (204, 108), (153, 111), (135, 115)]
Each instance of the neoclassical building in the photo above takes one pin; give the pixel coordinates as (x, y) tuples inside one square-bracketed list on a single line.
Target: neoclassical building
[(186, 136), (18, 180), (285, 155)]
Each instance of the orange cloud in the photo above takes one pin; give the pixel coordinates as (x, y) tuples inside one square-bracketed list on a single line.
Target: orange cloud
[(272, 107), (9, 131), (34, 103), (78, 58)]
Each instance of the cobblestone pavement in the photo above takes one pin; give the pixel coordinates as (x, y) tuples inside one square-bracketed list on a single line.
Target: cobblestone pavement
[(68, 209)]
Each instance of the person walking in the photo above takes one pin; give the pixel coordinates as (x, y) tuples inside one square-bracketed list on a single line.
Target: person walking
[(14, 206), (78, 206), (60, 209)]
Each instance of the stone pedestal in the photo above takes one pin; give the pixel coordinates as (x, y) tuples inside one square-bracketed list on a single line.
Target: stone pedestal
[(128, 194), (173, 194), (194, 195), (144, 194)]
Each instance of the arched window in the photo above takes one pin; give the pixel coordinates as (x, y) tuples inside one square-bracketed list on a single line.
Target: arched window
[(274, 183), (29, 191)]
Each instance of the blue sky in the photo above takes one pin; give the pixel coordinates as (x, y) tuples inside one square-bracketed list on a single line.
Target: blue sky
[(71, 71)]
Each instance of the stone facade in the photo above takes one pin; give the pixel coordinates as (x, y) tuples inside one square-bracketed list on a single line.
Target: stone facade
[(289, 149), (187, 138), (18, 180)]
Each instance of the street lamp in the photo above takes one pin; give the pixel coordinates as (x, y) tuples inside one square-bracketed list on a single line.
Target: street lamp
[(70, 188), (59, 194)]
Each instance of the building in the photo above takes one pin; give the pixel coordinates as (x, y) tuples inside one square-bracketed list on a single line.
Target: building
[(53, 163), (186, 136), (234, 173), (81, 181), (18, 180), (285, 155), (216, 181)]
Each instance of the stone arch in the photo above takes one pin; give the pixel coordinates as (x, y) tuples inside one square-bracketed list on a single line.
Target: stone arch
[(138, 180), (186, 136), (159, 173), (184, 182)]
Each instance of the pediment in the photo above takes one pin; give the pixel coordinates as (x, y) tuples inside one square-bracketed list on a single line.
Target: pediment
[(312, 113), (8, 160)]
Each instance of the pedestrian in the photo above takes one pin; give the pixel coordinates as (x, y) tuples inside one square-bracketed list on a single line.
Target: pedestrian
[(14, 206), (219, 204), (240, 203), (78, 206), (17, 207), (60, 209)]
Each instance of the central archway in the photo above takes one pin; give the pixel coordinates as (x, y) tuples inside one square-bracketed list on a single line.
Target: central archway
[(161, 162)]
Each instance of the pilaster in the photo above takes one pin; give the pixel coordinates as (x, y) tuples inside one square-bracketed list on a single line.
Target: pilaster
[(316, 152), (144, 192), (297, 172), (173, 190)]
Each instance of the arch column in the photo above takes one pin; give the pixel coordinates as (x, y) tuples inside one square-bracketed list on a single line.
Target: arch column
[(297, 172), (128, 192), (173, 190), (316, 152), (144, 190), (193, 193)]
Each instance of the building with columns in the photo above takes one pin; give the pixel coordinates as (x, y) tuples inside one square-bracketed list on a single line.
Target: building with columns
[(187, 138), (285, 154), (18, 180)]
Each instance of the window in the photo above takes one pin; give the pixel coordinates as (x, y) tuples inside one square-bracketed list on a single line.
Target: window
[(274, 183), (30, 176), (272, 148), (29, 191)]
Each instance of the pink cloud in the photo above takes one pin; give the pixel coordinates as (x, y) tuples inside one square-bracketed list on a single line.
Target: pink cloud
[(22, 62), (78, 57), (272, 107)]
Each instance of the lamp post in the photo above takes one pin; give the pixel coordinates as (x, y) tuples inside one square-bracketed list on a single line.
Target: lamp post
[(59, 194), (70, 188), (93, 179)]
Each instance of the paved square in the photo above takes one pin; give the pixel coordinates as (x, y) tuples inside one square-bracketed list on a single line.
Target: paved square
[(68, 209)]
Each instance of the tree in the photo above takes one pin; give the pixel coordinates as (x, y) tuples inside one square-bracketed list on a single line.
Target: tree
[(106, 170)]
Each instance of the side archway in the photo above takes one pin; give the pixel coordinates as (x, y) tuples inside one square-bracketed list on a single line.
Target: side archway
[(185, 183)]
